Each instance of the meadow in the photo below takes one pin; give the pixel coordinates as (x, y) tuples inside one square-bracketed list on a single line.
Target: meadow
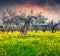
[(33, 44)]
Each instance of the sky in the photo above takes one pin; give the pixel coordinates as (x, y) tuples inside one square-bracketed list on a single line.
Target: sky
[(49, 8), (35, 2)]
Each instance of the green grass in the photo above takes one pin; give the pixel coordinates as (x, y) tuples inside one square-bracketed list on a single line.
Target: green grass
[(30, 45)]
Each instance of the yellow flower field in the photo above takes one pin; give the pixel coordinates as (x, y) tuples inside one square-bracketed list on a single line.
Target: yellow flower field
[(33, 44)]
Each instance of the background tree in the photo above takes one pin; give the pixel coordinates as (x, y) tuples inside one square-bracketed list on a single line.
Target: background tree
[(22, 21), (40, 22)]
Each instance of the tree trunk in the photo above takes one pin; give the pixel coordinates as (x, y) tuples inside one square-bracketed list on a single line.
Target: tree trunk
[(53, 30), (25, 28)]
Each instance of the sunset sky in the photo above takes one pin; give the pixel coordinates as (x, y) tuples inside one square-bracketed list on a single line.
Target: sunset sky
[(49, 8)]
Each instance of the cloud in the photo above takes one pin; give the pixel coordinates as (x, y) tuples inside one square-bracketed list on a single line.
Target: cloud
[(48, 2), (3, 2)]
